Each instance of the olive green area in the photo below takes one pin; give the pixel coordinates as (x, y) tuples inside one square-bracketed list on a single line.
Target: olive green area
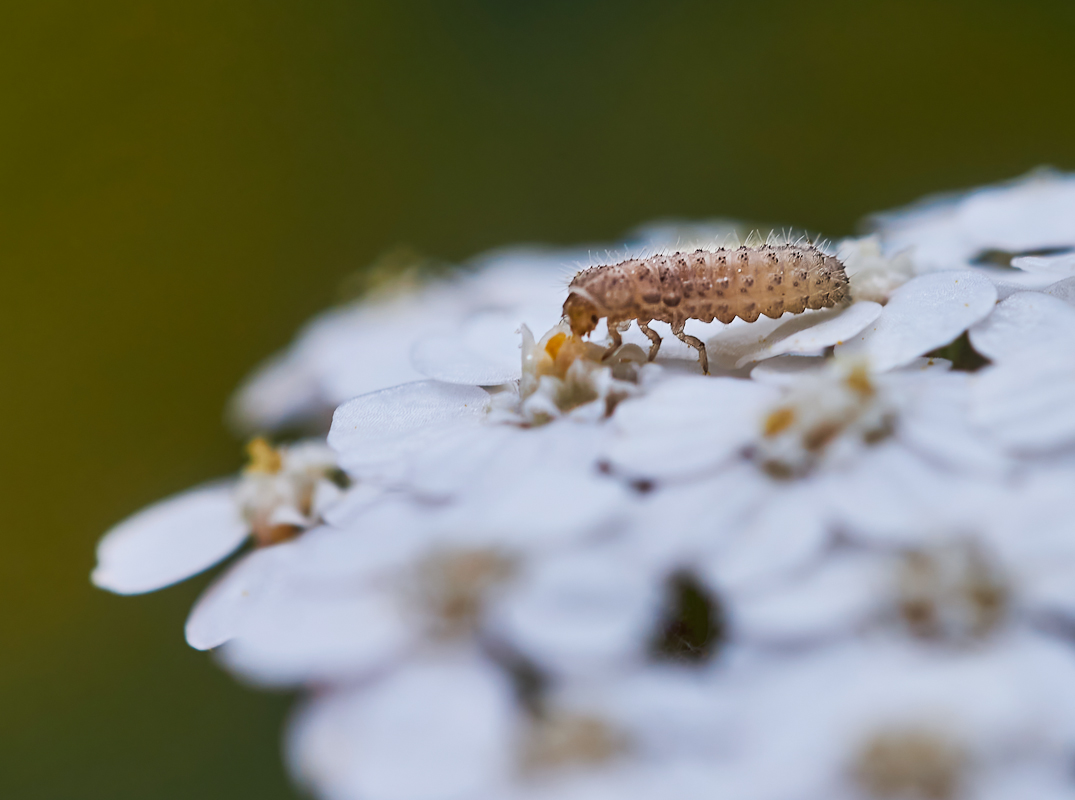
[(183, 183)]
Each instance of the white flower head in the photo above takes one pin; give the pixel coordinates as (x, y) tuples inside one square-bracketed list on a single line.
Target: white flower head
[(282, 492), (953, 591), (827, 417), (563, 374), (839, 568)]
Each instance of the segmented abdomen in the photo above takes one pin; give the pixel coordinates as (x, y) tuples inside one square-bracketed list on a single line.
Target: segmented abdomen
[(717, 284)]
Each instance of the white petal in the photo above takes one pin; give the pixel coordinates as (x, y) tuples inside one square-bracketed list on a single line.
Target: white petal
[(282, 390), (1027, 405), (665, 710), (814, 333), (224, 607), (934, 421), (1024, 324), (1012, 281), (524, 488), (383, 426), (302, 635), (1064, 290), (836, 598), (786, 532), (892, 496), (695, 518), (431, 731), (448, 359), (485, 352), (925, 313), (1058, 265), (786, 370), (686, 425), (382, 536), (170, 541), (581, 611), (738, 339)]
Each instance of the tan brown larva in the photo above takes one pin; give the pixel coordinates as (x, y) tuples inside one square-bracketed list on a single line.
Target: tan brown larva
[(704, 285)]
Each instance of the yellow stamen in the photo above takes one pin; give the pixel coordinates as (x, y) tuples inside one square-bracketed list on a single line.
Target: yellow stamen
[(552, 347), (779, 421), (858, 380), (263, 457)]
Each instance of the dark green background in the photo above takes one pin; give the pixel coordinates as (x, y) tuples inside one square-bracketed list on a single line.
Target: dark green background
[(182, 184)]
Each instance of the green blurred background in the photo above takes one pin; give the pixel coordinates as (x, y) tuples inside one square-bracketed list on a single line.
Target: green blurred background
[(182, 184)]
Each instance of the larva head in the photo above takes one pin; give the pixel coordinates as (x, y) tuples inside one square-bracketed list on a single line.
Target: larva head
[(581, 313)]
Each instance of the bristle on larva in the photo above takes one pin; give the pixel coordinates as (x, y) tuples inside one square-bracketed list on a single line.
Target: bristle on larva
[(721, 284)]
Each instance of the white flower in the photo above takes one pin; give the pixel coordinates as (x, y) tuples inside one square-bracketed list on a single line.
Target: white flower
[(897, 719), (839, 568), (280, 493)]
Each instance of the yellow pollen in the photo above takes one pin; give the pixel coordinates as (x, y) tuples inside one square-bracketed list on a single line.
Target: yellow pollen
[(779, 421), (552, 347), (858, 380), (263, 457)]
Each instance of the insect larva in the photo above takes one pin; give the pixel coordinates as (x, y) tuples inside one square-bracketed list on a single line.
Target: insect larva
[(705, 285)]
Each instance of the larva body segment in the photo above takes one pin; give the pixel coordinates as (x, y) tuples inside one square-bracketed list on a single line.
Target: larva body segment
[(704, 285)]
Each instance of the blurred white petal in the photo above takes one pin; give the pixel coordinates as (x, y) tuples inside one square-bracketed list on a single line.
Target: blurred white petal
[(224, 607), (170, 541), (581, 611), (1027, 404), (686, 425), (378, 428), (835, 598), (1023, 325), (430, 731), (305, 636)]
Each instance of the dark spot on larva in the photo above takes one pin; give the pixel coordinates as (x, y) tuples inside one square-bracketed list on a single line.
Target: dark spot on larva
[(748, 280), (652, 297), (672, 301)]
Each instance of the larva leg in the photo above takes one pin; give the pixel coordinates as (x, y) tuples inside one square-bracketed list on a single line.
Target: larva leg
[(655, 340), (694, 342), (617, 341)]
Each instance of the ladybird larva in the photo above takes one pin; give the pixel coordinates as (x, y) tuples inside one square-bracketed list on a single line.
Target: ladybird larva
[(704, 285)]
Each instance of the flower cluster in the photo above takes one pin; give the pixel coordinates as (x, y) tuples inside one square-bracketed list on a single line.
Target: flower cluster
[(840, 566)]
